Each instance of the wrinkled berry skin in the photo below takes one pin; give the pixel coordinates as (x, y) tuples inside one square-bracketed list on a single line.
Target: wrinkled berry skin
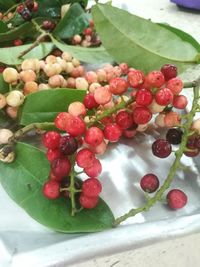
[(68, 145)]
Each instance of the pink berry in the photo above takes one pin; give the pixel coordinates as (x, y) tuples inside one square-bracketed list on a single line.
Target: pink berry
[(172, 119), (95, 170), (144, 97), (75, 126), (91, 187), (141, 115), (149, 183), (155, 79), (124, 68), (164, 97), (180, 101), (176, 199), (51, 139), (77, 109), (89, 101), (112, 132), (124, 119), (52, 177), (129, 133), (91, 77), (51, 189), (161, 148), (85, 158), (118, 86), (102, 95), (169, 71), (94, 136), (175, 85), (53, 154), (88, 31), (61, 167), (135, 78), (88, 202), (61, 120), (100, 149)]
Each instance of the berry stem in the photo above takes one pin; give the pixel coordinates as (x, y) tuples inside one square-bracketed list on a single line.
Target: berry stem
[(9, 10), (178, 154), (72, 189)]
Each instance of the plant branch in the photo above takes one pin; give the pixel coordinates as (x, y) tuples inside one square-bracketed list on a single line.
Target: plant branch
[(178, 154)]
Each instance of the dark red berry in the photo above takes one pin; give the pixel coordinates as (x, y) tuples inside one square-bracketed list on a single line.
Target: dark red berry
[(85, 158), (112, 132), (68, 145), (88, 202), (53, 154), (61, 167), (29, 4), (51, 189), (48, 25), (124, 119), (176, 199), (91, 187), (95, 170), (197, 142), (143, 97), (149, 183), (20, 8), (169, 71), (94, 136), (26, 15), (89, 101), (161, 148), (192, 152), (35, 8), (141, 115), (51, 139), (174, 136)]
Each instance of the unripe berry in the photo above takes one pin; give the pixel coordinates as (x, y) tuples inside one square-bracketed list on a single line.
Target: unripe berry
[(176, 199), (2, 101), (66, 56), (196, 125), (149, 183), (135, 78), (118, 86), (5, 135), (91, 77), (172, 119), (93, 87), (51, 59), (155, 79), (180, 101), (27, 76), (101, 75), (112, 132), (71, 83), (94, 136), (12, 112), (76, 62), (30, 87), (159, 120), (85, 158), (69, 67), (141, 115), (10, 75), (63, 64), (76, 39), (142, 127), (77, 109), (155, 107), (100, 149), (102, 95), (81, 84), (56, 81), (15, 98), (51, 189), (175, 85), (31, 64), (43, 86), (50, 70)]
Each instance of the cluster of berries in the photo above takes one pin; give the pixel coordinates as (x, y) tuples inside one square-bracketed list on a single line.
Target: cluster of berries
[(88, 38), (27, 8)]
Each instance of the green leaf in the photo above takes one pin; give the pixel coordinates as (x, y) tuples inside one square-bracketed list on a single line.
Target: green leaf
[(4, 87), (6, 4), (3, 27), (9, 55), (44, 106), (89, 55), (23, 181), (74, 22), (140, 42)]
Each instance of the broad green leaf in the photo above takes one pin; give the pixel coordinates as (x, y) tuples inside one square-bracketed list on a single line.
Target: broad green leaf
[(88, 55), (6, 4), (44, 106), (140, 42), (9, 55), (74, 22), (4, 87), (5, 121), (3, 27), (23, 181)]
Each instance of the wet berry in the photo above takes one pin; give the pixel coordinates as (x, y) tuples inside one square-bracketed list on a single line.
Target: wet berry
[(169, 71), (94, 136), (176, 199), (51, 139), (51, 189), (68, 145), (85, 158), (61, 167), (124, 119), (143, 97), (91, 187), (112, 132), (88, 202), (95, 170), (141, 115), (164, 97), (155, 79), (161, 148), (149, 183), (174, 136)]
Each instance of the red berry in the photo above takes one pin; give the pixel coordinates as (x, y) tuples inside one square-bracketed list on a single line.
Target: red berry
[(176, 199), (75, 126), (91, 23), (94, 136), (51, 139), (112, 132), (85, 158), (20, 8), (2, 68), (88, 31), (141, 115), (61, 120), (175, 85), (68, 145), (102, 95), (17, 42), (118, 86), (95, 170), (35, 8), (88, 202), (164, 97), (55, 178), (129, 133), (61, 167), (149, 183), (124, 119), (161, 148), (124, 68), (155, 78), (172, 119), (29, 4), (89, 101), (51, 189), (180, 101), (48, 25), (135, 78), (91, 187), (169, 71), (143, 97), (53, 154)]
